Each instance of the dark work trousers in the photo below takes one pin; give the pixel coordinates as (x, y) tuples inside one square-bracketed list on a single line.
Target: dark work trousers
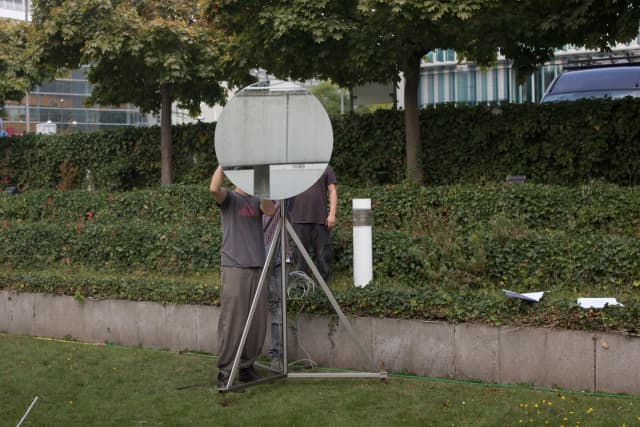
[(238, 286), (316, 240)]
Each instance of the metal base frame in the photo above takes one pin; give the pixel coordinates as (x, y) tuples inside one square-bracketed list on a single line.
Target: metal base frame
[(283, 228)]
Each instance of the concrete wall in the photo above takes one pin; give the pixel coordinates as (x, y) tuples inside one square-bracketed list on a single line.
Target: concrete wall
[(573, 360)]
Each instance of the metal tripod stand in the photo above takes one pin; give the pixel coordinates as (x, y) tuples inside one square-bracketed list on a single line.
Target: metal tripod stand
[(283, 228)]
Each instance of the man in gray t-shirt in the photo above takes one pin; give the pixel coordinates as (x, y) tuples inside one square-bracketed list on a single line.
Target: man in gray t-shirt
[(241, 260), (311, 221)]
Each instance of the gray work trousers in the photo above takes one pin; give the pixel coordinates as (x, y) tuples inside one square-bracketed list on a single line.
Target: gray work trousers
[(237, 288)]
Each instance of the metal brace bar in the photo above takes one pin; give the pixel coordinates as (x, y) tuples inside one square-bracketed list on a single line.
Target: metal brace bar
[(327, 291)]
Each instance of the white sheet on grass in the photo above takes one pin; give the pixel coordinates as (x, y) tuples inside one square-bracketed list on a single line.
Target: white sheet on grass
[(598, 302), (530, 296)]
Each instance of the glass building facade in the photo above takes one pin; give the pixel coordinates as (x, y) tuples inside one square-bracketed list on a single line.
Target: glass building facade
[(62, 102), (446, 79), (14, 9)]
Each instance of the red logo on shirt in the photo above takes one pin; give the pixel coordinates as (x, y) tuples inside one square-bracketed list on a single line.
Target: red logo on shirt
[(247, 210)]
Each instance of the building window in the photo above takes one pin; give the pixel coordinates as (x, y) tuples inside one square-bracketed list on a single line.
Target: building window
[(430, 89), (462, 87), (12, 4)]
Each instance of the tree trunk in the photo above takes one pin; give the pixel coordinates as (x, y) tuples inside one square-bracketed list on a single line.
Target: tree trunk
[(413, 141), (165, 135)]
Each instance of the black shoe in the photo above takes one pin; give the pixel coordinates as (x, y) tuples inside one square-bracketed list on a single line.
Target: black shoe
[(223, 379), (248, 375)]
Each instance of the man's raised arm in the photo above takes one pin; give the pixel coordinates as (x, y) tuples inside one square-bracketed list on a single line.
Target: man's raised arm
[(217, 190), (333, 205)]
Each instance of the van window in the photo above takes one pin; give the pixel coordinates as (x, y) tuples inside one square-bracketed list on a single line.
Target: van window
[(602, 82)]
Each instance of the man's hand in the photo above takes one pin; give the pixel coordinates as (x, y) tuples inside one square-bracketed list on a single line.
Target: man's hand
[(331, 221)]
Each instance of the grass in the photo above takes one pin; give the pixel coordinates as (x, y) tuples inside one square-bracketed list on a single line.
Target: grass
[(81, 384)]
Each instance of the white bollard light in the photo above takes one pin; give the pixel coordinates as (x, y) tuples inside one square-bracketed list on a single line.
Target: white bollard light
[(362, 242)]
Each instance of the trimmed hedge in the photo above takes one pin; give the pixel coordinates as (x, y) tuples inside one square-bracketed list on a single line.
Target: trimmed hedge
[(175, 204), (565, 143), (111, 160), (123, 246), (589, 208)]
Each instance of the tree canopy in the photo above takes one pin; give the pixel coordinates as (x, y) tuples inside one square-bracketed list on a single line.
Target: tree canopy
[(358, 41), (17, 74), (148, 53)]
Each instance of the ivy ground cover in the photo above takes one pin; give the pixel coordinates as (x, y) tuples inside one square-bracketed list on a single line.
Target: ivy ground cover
[(440, 253)]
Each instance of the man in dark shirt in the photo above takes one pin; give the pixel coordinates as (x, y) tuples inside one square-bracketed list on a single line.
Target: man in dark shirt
[(311, 222), (242, 259)]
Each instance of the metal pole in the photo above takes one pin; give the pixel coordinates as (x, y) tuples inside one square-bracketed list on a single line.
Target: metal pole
[(27, 413), (284, 277), (380, 375)]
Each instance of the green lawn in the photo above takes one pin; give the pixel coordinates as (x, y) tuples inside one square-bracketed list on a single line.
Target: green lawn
[(92, 385)]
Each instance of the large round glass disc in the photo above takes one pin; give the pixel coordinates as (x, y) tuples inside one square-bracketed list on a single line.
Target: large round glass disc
[(274, 139)]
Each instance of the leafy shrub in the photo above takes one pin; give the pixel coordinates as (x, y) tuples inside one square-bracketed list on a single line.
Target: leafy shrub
[(122, 246), (460, 235), (170, 204)]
